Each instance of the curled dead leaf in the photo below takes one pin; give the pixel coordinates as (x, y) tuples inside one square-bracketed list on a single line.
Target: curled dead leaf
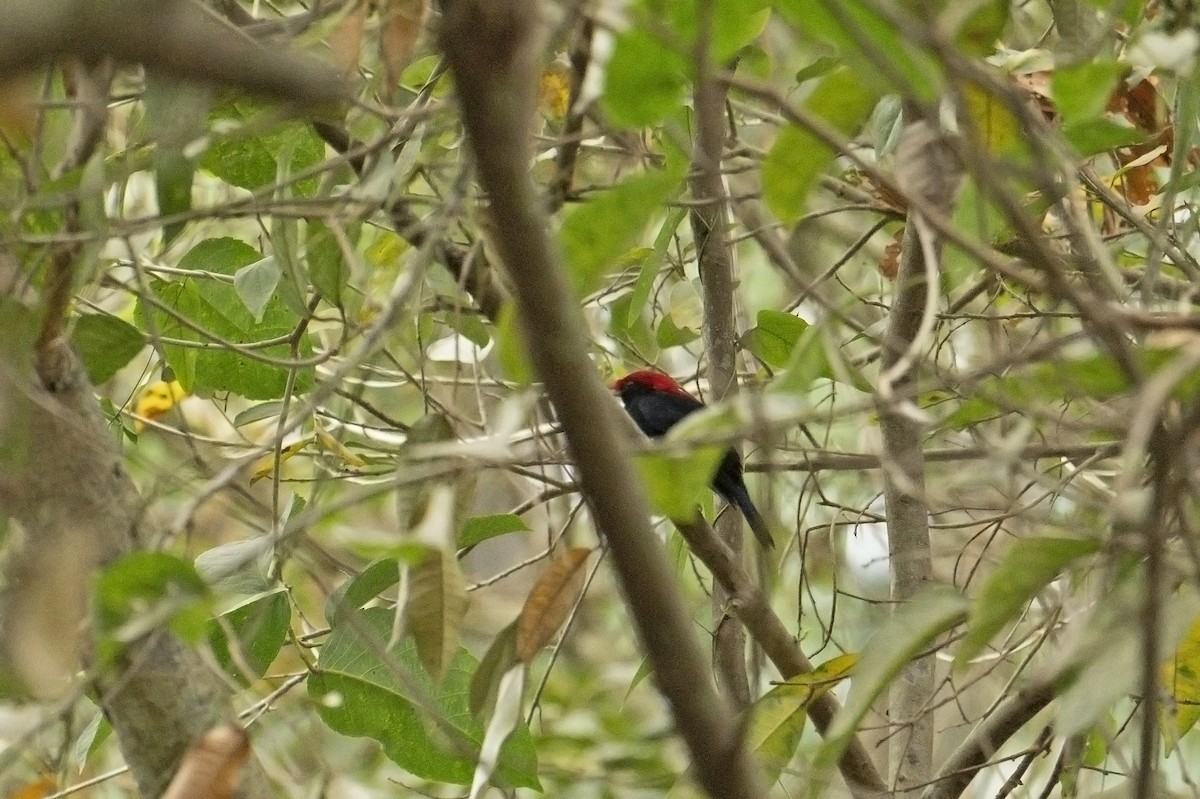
[(345, 42), (212, 766), (889, 265), (550, 601), (400, 25)]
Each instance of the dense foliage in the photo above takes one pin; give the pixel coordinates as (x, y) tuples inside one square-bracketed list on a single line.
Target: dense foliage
[(365, 516)]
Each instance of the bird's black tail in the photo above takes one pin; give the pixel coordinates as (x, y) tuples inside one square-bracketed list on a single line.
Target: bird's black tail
[(741, 497)]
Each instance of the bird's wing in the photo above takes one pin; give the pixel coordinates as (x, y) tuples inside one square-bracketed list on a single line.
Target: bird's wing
[(658, 412)]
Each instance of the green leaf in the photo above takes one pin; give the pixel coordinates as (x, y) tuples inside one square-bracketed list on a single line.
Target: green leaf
[(631, 329), (1092, 136), (500, 657), (359, 693), (437, 602), (793, 163), (144, 591), (175, 111), (350, 596), (215, 307), (255, 283), (510, 347), (910, 630), (327, 265), (645, 79), (1030, 565), (1181, 676), (1081, 91), (775, 336), (822, 65), (260, 626), (480, 528), (778, 718), (105, 344), (676, 482), (257, 413), (977, 34), (810, 359), (609, 224), (651, 266), (173, 175), (248, 155), (669, 334), (864, 35)]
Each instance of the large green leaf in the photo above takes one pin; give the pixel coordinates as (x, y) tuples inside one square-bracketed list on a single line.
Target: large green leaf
[(105, 344), (260, 626), (1028, 567), (144, 591), (676, 482), (844, 101), (350, 596), (1081, 91), (645, 79), (215, 307), (358, 692), (480, 528), (777, 719), (609, 224), (249, 144), (861, 35), (775, 336)]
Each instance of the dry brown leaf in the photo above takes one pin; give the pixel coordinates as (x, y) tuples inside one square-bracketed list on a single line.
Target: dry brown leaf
[(1037, 88), (1139, 184), (889, 265), (18, 108), (346, 40), (212, 766), (400, 25), (548, 604)]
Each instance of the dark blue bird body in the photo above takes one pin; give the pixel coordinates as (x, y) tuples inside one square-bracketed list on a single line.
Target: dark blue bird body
[(656, 403)]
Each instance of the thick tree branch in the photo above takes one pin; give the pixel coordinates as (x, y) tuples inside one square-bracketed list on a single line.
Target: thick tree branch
[(78, 510), (715, 261), (174, 37), (491, 47), (907, 336), (985, 740)]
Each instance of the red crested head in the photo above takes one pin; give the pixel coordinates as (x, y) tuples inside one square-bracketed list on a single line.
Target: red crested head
[(651, 380)]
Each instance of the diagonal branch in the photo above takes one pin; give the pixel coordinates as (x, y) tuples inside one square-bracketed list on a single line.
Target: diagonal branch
[(751, 606), (491, 46)]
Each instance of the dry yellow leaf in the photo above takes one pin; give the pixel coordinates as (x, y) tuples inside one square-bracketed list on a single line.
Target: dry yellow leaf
[(331, 444), (155, 400), (554, 90), (265, 466)]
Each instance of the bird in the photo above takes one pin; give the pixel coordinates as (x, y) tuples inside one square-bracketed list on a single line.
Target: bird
[(656, 403)]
